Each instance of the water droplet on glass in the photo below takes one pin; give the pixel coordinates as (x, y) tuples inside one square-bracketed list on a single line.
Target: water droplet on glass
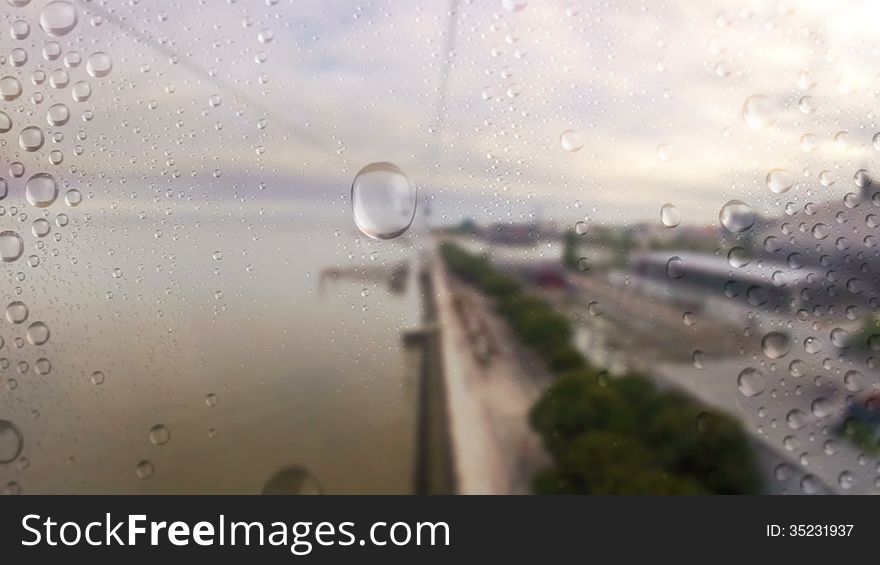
[(10, 88), (699, 359), (5, 122), (663, 152), (796, 419), (751, 382), (758, 111), (571, 140), (31, 138), (99, 64), (670, 216), (81, 91), (675, 267), (383, 201), (854, 381), (846, 480), (808, 143), (736, 216), (144, 469), (738, 257), (779, 181), (73, 197), (783, 472), (41, 190), (38, 333), (775, 345), (212, 400), (16, 312), (812, 345), (58, 18), (807, 105), (11, 246), (822, 408), (58, 115), (159, 435), (810, 484), (10, 441), (97, 378), (839, 338), (820, 231), (42, 366), (862, 178)]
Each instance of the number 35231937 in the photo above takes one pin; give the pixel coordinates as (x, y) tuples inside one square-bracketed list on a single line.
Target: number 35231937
[(809, 530)]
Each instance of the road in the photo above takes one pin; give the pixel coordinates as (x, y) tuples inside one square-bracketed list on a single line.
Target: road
[(490, 390)]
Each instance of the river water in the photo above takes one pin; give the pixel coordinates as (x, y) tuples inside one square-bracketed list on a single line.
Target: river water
[(216, 326)]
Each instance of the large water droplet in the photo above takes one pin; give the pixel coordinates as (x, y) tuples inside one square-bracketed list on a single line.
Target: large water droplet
[(571, 140), (820, 231), (862, 178), (10, 88), (675, 267), (38, 333), (58, 18), (751, 382), (145, 469), (41, 190), (16, 312), (775, 345), (758, 111), (73, 197), (779, 181), (736, 216), (843, 140), (58, 115), (783, 472), (98, 378), (99, 64), (854, 381), (10, 441), (159, 435), (5, 122), (383, 201), (822, 407), (846, 480), (812, 345), (810, 484), (738, 257), (670, 215), (11, 246), (81, 91), (31, 138), (839, 338), (796, 419)]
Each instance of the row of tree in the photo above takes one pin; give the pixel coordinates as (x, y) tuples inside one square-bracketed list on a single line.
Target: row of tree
[(612, 436)]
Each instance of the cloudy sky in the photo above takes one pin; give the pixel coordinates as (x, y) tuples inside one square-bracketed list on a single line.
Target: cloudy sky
[(216, 97)]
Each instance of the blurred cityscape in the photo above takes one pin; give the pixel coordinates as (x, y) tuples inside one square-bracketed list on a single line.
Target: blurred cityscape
[(554, 347)]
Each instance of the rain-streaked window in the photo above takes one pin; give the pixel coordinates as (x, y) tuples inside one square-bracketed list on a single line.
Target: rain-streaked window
[(431, 246)]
